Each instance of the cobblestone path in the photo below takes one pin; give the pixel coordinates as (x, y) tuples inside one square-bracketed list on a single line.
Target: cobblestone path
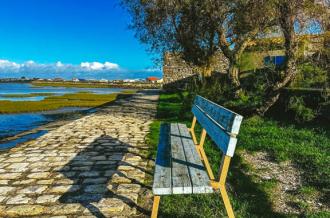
[(91, 167)]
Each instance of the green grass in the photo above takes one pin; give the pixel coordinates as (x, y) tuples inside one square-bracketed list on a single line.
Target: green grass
[(308, 147), (250, 197), (251, 61), (81, 99)]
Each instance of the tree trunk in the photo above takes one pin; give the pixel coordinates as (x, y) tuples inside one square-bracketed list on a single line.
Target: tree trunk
[(272, 94), (270, 101), (234, 75)]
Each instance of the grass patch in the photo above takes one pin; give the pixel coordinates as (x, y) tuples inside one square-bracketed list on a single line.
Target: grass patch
[(250, 197), (80, 99)]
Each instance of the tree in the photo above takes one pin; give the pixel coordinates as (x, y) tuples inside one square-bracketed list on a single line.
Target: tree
[(200, 28), (291, 15)]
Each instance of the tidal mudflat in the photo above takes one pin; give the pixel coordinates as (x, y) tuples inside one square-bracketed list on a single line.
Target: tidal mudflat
[(24, 107)]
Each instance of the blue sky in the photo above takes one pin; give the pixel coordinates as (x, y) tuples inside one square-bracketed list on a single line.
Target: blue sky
[(40, 36)]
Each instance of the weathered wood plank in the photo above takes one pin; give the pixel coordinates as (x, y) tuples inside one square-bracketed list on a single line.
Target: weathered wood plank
[(199, 178), (227, 119), (181, 183), (162, 176), (225, 142)]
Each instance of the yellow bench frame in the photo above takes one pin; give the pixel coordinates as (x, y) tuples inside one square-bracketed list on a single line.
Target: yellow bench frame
[(217, 184)]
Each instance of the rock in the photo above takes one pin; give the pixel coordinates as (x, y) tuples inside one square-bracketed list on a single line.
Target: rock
[(6, 189), (64, 188), (18, 167), (15, 160), (42, 175), (25, 210), (24, 182), (128, 188), (36, 189), (2, 198), (94, 181), (19, 199), (4, 182), (45, 182), (67, 209), (47, 199), (10, 175), (89, 174), (96, 188)]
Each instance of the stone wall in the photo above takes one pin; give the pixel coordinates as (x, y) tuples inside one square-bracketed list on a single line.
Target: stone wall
[(177, 72)]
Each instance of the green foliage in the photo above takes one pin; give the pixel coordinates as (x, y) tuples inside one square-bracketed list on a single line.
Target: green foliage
[(310, 76), (298, 107)]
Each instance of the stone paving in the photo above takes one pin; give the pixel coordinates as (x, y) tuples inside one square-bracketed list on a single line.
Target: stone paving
[(91, 167)]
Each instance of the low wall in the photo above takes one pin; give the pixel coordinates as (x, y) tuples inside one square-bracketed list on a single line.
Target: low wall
[(177, 72)]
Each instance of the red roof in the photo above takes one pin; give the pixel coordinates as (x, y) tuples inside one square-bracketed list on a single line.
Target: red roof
[(152, 78)]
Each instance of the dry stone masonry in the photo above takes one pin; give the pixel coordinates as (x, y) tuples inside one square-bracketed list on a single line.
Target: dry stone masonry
[(177, 72), (91, 167)]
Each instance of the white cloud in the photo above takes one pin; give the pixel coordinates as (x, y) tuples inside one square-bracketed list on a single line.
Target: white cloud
[(8, 64), (30, 66), (99, 66), (59, 64), (109, 65)]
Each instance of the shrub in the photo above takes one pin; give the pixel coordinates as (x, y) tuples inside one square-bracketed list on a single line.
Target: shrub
[(302, 113)]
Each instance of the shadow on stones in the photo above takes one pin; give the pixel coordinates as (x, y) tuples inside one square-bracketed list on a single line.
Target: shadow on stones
[(93, 173)]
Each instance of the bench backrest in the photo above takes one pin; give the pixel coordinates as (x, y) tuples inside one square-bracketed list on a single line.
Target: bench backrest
[(221, 124)]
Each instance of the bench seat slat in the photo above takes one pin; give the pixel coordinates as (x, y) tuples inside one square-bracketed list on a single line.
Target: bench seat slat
[(162, 177), (179, 169), (181, 183), (199, 178)]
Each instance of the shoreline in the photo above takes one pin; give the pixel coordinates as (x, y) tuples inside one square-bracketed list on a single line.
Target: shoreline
[(62, 119), (137, 85), (49, 103), (59, 120)]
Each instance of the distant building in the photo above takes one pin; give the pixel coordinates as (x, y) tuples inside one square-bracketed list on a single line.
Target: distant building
[(152, 79), (103, 80), (129, 80), (117, 81), (58, 79), (160, 80), (75, 80)]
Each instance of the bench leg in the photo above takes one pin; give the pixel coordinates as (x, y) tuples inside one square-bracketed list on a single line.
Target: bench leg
[(226, 201), (155, 206)]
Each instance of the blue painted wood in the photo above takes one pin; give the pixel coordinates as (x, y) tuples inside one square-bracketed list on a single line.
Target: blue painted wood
[(222, 139), (227, 119), (162, 176)]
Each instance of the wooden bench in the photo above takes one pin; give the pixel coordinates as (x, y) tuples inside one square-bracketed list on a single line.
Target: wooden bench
[(182, 166)]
